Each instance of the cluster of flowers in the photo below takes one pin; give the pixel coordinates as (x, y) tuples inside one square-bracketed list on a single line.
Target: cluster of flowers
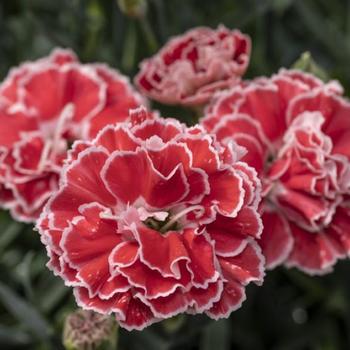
[(146, 217)]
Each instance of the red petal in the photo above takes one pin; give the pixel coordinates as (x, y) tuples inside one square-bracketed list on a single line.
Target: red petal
[(124, 254), (104, 306), (116, 138), (151, 281), (245, 267), (232, 124), (130, 176), (230, 234), (29, 153), (170, 251), (312, 251), (120, 98), (264, 105), (166, 131), (83, 185), (115, 284), (254, 156), (170, 156), (231, 299), (225, 192), (201, 256), (199, 186), (139, 115), (276, 241), (204, 155), (303, 207), (197, 298), (33, 194), (94, 274), (138, 315), (297, 76), (203, 298), (49, 90), (88, 244), (332, 107), (87, 240), (169, 306), (13, 125), (62, 56), (77, 148), (339, 230), (131, 313)]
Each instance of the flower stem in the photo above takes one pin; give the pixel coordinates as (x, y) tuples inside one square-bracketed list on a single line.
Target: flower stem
[(197, 114), (148, 34)]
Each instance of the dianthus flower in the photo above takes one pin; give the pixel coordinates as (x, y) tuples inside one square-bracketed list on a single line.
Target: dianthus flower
[(153, 219), (297, 132), (44, 106), (191, 67)]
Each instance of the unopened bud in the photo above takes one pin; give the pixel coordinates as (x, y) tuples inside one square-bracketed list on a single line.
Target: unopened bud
[(88, 330), (307, 64), (133, 8)]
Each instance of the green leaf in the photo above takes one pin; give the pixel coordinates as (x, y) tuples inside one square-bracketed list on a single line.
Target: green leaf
[(53, 295), (24, 273), (13, 336), (9, 234), (129, 49), (216, 336), (24, 312)]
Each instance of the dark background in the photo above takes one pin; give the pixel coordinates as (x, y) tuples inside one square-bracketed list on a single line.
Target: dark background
[(291, 311)]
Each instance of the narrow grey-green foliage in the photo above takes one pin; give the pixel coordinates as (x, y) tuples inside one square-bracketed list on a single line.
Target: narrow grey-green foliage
[(291, 311)]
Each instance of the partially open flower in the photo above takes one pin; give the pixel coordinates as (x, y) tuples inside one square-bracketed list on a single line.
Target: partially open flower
[(153, 219), (296, 130), (191, 67), (44, 106)]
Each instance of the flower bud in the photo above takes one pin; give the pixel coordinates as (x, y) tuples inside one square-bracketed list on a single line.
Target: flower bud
[(133, 8), (307, 64), (88, 330)]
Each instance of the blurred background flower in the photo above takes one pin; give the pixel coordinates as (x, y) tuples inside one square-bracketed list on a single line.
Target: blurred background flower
[(291, 310)]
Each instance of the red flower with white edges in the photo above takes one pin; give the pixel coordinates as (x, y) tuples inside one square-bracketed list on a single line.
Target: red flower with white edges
[(44, 106), (297, 133), (153, 219), (191, 67)]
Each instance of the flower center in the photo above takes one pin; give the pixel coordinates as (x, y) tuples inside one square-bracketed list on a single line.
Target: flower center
[(171, 222), (270, 158), (55, 142), (161, 226)]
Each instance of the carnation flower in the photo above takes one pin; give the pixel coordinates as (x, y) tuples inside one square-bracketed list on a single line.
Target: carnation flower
[(191, 67), (153, 219), (44, 106), (297, 132)]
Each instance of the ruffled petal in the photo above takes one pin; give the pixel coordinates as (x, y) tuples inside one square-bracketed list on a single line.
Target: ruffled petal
[(171, 250), (83, 185), (131, 175), (231, 299), (312, 252), (245, 267), (225, 192), (276, 241)]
